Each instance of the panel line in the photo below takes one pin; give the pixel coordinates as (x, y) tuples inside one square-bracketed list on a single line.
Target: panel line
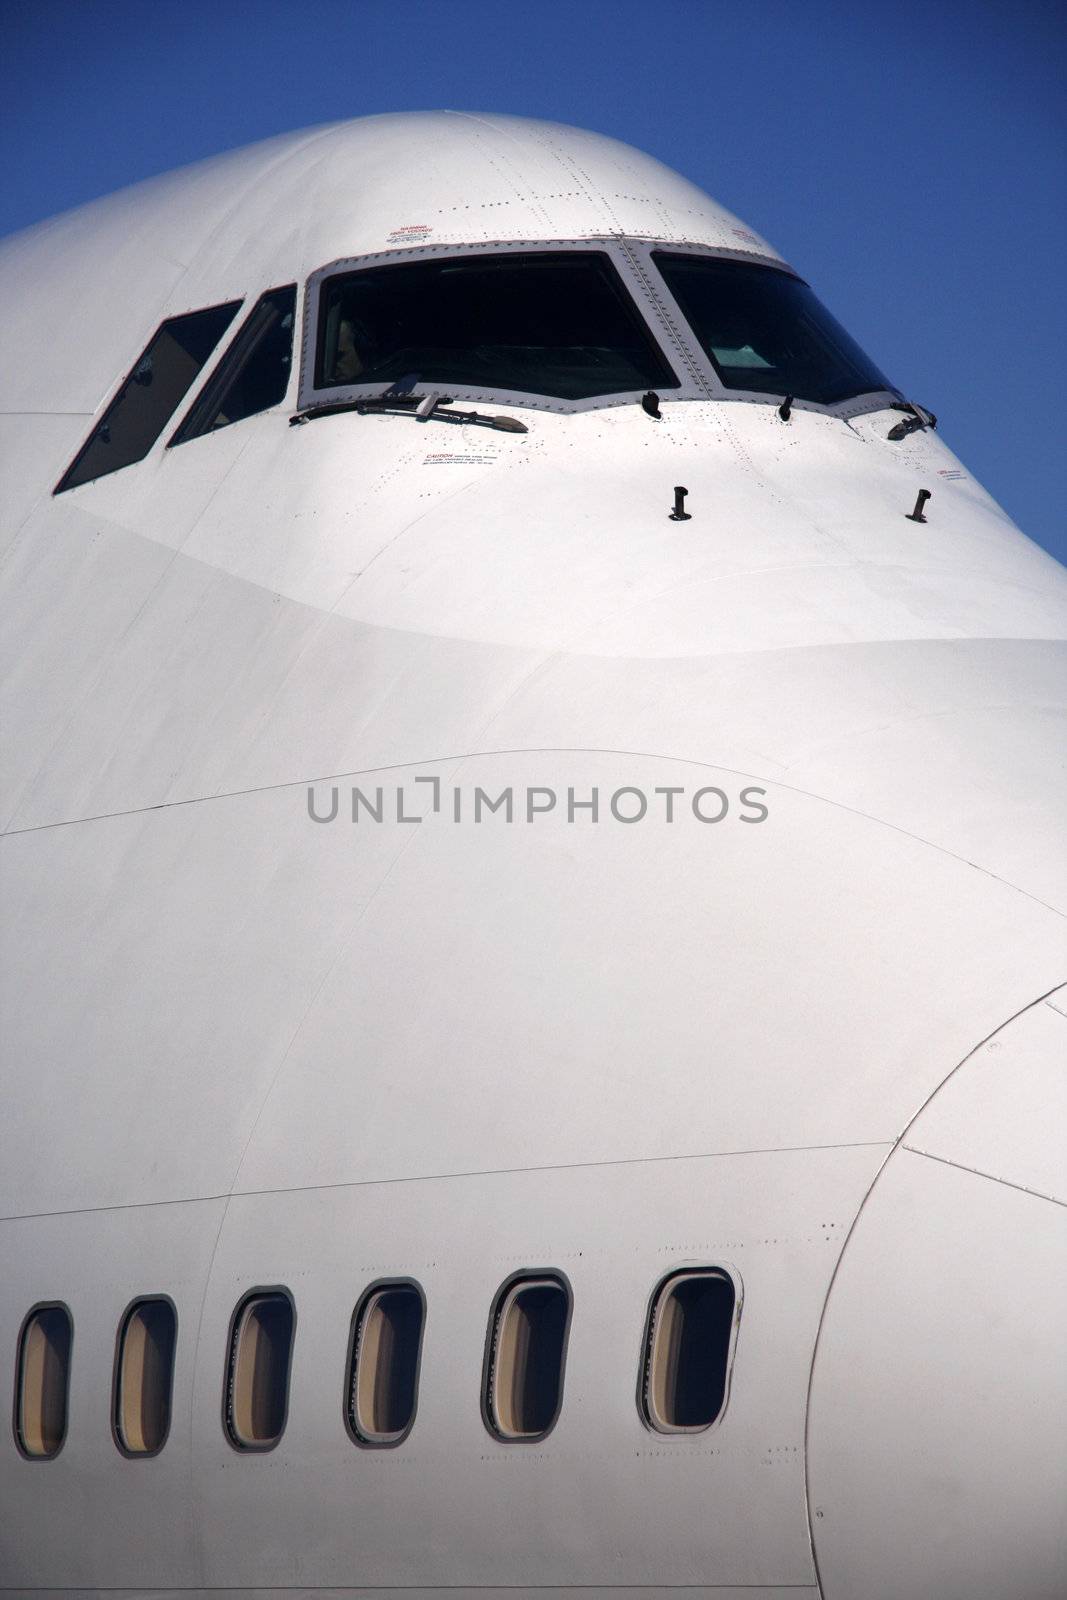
[(445, 1177)]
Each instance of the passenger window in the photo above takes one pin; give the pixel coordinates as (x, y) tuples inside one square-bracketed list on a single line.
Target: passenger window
[(548, 324), (150, 395), (253, 375), (527, 1348), (383, 1374), (144, 1376), (687, 1351), (43, 1381), (257, 1390)]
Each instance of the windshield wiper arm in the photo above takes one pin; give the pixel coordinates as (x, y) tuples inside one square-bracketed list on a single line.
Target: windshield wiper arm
[(423, 408), (428, 410), (918, 418)]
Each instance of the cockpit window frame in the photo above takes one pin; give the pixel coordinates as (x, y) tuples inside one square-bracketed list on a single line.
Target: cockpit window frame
[(207, 383), (631, 258), (311, 395), (102, 417), (226, 368), (643, 252)]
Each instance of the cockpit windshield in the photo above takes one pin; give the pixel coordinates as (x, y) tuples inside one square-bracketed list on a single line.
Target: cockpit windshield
[(764, 330), (548, 324)]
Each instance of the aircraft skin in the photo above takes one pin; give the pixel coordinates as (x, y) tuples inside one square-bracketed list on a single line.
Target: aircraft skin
[(820, 1050)]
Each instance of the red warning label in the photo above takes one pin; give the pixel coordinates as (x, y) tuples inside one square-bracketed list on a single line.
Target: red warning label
[(410, 233)]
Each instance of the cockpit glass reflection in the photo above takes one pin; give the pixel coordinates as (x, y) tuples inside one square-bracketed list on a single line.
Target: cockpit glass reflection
[(559, 325), (764, 331)]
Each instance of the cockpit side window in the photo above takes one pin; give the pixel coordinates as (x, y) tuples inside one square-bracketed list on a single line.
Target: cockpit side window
[(253, 375), (558, 324), (765, 332), (150, 394)]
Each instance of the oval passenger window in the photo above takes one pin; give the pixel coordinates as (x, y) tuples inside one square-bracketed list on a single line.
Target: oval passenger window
[(257, 1393), (687, 1351), (144, 1377), (44, 1381), (527, 1347), (384, 1371)]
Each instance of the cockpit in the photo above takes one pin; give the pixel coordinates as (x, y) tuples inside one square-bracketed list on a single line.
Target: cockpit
[(564, 326)]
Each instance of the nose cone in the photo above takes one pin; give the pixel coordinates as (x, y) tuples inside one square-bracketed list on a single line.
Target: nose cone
[(938, 1409)]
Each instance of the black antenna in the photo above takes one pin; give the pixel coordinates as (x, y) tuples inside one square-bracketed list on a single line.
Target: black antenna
[(680, 514)]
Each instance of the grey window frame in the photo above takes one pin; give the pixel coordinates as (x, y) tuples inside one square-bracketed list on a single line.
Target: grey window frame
[(631, 258), (20, 1356), (116, 1378), (643, 251), (368, 1441), (223, 369), (120, 388), (336, 395), (500, 1299), (645, 1410), (255, 1447)]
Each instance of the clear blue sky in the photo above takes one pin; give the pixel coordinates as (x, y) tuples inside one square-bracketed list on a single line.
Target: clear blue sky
[(908, 158)]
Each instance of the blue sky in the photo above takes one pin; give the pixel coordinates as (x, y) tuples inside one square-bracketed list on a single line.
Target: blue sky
[(908, 159)]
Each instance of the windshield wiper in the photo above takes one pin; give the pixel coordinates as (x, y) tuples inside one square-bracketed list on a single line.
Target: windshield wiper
[(425, 408), (918, 418)]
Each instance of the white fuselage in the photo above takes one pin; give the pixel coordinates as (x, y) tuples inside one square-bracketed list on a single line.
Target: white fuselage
[(821, 1050)]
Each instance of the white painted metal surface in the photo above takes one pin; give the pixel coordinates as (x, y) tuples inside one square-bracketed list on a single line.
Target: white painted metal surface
[(244, 1048), (940, 1379)]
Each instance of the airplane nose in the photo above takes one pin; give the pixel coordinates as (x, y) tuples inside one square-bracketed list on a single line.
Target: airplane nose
[(938, 1408)]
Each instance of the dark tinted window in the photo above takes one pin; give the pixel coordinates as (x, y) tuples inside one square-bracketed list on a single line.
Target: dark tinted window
[(545, 324), (687, 1351), (43, 1381), (254, 372), (144, 1377), (765, 331), (150, 395), (383, 1379), (524, 1382)]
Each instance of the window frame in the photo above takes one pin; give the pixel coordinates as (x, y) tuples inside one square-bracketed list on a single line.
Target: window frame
[(631, 258), (385, 1441), (116, 1376), (20, 1356), (644, 1365), (226, 367), (646, 249), (309, 395), (206, 371), (496, 1308), (255, 1447)]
